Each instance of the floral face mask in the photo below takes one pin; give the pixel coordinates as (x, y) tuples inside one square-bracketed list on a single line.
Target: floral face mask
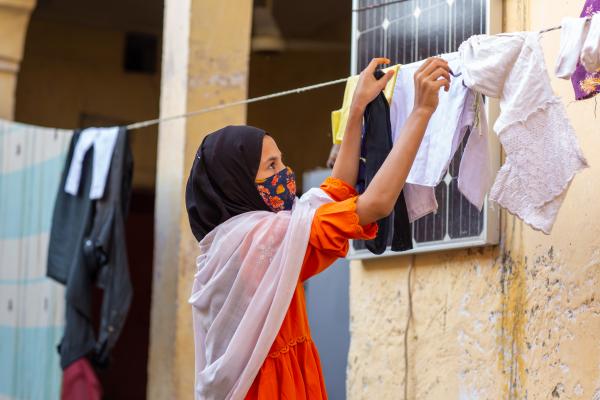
[(278, 191)]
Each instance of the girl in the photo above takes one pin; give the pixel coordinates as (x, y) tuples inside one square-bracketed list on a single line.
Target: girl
[(258, 243)]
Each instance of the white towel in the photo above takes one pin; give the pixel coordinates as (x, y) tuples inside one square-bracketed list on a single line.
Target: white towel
[(590, 53), (573, 34), (103, 140)]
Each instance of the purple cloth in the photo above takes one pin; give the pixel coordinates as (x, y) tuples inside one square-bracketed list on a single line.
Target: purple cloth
[(586, 84)]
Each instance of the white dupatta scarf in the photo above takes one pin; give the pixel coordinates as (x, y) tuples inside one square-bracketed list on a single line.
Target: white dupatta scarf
[(247, 274)]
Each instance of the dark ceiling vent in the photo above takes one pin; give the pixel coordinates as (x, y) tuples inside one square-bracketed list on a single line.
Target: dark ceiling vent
[(141, 51)]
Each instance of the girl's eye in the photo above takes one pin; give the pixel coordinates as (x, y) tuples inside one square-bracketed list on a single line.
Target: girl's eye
[(272, 165)]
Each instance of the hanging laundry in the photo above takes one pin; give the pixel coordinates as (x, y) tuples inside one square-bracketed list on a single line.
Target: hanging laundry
[(339, 118), (375, 147), (542, 152), (475, 176), (459, 111), (32, 316), (87, 246), (573, 34), (586, 84), (590, 53), (103, 141)]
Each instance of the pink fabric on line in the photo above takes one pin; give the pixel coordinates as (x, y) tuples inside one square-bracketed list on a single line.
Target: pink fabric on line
[(80, 382)]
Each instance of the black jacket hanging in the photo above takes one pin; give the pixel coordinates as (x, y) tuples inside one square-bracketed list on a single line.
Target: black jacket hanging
[(87, 246), (376, 145)]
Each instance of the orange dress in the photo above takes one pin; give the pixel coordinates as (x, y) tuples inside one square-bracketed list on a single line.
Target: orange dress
[(292, 369)]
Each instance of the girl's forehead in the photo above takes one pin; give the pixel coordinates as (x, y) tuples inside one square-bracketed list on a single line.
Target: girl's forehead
[(269, 146)]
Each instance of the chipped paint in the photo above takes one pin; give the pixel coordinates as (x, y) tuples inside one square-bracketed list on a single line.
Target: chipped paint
[(516, 321), (486, 326), (512, 326)]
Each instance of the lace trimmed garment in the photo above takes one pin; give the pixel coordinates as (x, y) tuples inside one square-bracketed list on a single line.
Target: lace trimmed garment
[(542, 151)]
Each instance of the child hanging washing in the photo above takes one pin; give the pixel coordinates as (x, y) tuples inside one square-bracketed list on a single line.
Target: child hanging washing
[(259, 243)]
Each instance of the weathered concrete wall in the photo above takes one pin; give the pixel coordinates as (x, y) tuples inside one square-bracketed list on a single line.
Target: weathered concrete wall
[(520, 320)]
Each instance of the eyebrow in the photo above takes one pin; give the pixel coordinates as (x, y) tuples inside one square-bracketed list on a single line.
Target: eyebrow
[(273, 158)]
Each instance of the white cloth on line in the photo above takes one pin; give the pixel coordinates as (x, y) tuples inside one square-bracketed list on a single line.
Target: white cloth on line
[(475, 176), (248, 269), (542, 151), (573, 34), (434, 153), (590, 53), (103, 141), (455, 115)]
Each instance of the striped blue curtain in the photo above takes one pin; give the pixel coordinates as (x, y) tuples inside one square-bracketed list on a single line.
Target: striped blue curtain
[(31, 305)]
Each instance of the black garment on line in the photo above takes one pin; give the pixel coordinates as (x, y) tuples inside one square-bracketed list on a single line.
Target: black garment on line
[(87, 247), (376, 145), (222, 184)]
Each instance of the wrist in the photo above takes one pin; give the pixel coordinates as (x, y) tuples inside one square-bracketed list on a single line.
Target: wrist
[(357, 109), (355, 116), (422, 112)]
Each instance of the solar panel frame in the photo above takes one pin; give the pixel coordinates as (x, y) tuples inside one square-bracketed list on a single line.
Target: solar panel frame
[(403, 33)]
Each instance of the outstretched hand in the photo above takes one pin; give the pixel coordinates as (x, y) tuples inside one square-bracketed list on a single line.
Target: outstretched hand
[(385, 188), (381, 195), (345, 166), (429, 78), (368, 87)]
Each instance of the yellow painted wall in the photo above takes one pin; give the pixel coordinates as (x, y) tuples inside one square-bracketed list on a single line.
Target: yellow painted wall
[(520, 320), (72, 68), (14, 18)]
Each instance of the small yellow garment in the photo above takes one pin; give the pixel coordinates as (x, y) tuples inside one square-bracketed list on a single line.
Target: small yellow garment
[(339, 118)]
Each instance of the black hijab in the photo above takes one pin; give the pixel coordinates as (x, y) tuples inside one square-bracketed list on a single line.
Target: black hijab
[(221, 184)]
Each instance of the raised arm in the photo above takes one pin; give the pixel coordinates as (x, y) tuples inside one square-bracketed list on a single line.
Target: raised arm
[(382, 193), (367, 88)]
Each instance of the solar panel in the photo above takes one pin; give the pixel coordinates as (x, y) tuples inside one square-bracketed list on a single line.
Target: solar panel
[(406, 32)]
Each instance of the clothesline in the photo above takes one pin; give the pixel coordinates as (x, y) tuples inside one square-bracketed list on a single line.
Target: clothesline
[(554, 28), (155, 121), (144, 124)]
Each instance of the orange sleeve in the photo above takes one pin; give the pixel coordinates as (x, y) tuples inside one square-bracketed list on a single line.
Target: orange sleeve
[(333, 224), (337, 189)]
